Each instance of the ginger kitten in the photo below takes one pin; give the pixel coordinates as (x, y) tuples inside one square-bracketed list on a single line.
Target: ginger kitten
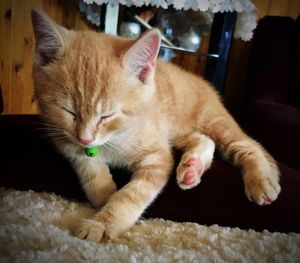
[(98, 90)]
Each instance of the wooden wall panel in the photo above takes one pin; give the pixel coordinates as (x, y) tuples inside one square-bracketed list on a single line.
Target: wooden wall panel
[(294, 8), (17, 47), (22, 46), (5, 51), (278, 7)]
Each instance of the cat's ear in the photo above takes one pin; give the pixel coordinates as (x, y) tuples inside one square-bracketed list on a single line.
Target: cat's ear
[(48, 37), (140, 58)]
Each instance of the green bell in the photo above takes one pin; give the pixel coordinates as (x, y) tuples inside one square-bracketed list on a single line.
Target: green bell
[(92, 151)]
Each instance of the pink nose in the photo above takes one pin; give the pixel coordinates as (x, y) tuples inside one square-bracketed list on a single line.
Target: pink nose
[(85, 142)]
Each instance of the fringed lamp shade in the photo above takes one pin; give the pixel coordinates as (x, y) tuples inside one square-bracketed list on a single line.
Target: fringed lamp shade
[(246, 10)]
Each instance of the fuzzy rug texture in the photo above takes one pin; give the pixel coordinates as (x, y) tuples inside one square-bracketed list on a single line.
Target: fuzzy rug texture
[(34, 228)]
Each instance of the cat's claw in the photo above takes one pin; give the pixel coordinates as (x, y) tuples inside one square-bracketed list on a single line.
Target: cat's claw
[(89, 229), (267, 202), (262, 190), (103, 226)]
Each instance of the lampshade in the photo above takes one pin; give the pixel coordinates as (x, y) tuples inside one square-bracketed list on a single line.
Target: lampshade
[(246, 10)]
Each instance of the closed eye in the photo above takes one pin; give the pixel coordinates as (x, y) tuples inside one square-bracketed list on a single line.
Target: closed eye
[(106, 116), (70, 112)]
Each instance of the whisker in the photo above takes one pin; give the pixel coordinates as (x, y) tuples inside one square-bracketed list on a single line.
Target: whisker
[(113, 148), (48, 133), (49, 137)]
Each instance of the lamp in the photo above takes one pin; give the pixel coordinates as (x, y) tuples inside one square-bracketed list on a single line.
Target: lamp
[(246, 10)]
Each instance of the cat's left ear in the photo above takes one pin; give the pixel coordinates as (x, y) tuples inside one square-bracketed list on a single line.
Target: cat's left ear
[(50, 38), (140, 58)]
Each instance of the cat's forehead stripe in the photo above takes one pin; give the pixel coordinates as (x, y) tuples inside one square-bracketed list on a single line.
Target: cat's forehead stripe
[(87, 84)]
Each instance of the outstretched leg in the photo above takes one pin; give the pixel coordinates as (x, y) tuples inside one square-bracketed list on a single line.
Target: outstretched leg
[(95, 179), (260, 172), (196, 159)]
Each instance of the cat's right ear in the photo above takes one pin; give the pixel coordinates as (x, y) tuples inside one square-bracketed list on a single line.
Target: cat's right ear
[(49, 41), (140, 58)]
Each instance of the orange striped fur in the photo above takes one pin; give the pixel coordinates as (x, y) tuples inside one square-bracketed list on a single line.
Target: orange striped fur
[(114, 93)]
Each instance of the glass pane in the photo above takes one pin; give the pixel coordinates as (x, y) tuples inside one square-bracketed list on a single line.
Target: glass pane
[(188, 30)]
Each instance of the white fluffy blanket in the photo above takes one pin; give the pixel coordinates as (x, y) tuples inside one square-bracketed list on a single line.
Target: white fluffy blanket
[(33, 229)]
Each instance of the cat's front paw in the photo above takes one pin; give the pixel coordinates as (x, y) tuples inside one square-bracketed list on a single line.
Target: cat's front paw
[(191, 168), (262, 189), (102, 227), (89, 229)]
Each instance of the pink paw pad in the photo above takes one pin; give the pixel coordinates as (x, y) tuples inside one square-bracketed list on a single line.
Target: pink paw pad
[(189, 178), (197, 162), (193, 166)]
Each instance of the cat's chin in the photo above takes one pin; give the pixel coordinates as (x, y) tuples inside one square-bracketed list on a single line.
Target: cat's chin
[(90, 145), (96, 143), (93, 144)]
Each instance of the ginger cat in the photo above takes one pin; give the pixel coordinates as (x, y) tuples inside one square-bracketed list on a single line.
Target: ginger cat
[(98, 90)]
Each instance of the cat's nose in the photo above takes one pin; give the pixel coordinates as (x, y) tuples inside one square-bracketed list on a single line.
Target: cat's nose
[(85, 141)]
